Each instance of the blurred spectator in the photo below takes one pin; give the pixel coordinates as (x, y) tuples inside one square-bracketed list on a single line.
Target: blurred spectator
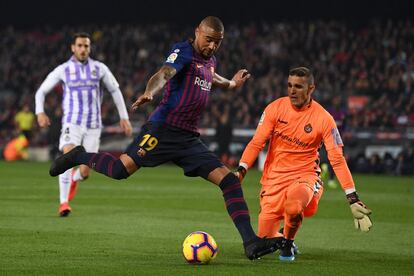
[(25, 121), (405, 162), (224, 134), (16, 149), (375, 164)]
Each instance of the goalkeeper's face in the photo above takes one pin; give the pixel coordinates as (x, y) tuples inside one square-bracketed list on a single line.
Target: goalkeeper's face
[(299, 91), (81, 48)]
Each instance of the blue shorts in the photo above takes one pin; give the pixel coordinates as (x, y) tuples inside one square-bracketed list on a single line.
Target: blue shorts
[(159, 143)]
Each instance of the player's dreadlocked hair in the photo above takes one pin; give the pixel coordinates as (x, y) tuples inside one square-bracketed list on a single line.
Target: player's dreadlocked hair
[(303, 72), (214, 23)]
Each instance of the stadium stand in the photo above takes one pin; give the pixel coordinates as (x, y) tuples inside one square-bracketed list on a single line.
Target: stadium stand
[(364, 75)]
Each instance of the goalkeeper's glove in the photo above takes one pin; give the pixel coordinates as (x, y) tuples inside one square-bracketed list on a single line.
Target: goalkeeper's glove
[(360, 212), (240, 172)]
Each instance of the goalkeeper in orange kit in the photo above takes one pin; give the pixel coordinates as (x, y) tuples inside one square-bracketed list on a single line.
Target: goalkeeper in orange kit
[(295, 127)]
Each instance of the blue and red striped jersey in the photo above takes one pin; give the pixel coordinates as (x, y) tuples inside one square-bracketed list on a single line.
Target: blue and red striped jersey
[(186, 94)]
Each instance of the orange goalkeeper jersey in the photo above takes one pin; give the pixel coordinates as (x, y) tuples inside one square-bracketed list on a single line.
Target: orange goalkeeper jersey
[(295, 137)]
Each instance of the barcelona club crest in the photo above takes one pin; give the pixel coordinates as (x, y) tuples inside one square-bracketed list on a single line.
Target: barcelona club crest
[(308, 128), (141, 152)]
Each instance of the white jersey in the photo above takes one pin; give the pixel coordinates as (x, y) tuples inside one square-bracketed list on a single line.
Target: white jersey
[(82, 91)]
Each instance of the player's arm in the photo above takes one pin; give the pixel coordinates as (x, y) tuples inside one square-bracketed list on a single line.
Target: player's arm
[(237, 81), (155, 84), (180, 56), (263, 132), (47, 85), (112, 85), (334, 147)]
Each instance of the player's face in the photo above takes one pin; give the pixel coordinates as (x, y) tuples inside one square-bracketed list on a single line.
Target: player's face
[(81, 48), (299, 91), (207, 40)]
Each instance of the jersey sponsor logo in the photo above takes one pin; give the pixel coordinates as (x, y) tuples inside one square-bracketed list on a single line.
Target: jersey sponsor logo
[(308, 128), (336, 137), (172, 57), (205, 85), (262, 119), (289, 139), (89, 83)]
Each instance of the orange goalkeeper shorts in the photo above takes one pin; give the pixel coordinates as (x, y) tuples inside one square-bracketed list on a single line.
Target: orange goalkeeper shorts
[(273, 197)]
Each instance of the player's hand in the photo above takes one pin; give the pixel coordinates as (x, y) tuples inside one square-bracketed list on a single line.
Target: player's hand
[(360, 212), (126, 126), (240, 172), (141, 100), (43, 120), (240, 77)]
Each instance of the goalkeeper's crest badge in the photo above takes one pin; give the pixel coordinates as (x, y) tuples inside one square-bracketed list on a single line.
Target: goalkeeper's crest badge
[(308, 128), (141, 152)]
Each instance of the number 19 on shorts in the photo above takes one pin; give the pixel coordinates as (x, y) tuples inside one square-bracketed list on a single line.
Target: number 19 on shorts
[(148, 142)]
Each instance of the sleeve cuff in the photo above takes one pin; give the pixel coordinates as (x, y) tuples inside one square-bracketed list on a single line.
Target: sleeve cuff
[(350, 191), (244, 165)]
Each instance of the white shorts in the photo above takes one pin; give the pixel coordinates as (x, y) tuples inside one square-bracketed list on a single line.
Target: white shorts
[(80, 135)]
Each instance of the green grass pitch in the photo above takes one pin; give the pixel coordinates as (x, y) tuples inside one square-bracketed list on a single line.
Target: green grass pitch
[(136, 227)]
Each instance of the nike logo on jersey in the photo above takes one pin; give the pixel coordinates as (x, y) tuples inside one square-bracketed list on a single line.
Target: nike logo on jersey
[(199, 65)]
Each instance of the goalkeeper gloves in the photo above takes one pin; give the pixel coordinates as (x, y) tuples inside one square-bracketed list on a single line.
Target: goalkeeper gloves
[(360, 212), (240, 172)]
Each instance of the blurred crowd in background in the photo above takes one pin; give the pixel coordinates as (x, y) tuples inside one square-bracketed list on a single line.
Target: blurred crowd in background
[(364, 73)]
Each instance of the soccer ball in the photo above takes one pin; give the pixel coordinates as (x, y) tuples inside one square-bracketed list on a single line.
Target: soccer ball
[(199, 248)]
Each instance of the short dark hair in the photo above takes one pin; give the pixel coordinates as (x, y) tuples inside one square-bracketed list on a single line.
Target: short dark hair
[(213, 22), (80, 34), (303, 72)]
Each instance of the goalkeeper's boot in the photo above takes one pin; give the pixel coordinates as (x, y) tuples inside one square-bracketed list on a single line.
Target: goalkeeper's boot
[(65, 161), (295, 247), (64, 209), (73, 186), (287, 253), (258, 247)]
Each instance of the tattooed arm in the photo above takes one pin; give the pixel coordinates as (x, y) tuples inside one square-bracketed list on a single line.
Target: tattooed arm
[(155, 84)]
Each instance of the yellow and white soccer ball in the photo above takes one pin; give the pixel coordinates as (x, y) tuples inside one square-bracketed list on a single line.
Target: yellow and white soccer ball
[(199, 248)]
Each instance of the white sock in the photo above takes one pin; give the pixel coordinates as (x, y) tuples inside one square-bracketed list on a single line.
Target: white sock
[(77, 175), (64, 186)]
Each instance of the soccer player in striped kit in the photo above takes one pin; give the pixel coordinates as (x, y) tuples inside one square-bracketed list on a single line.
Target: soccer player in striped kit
[(81, 78), (188, 75)]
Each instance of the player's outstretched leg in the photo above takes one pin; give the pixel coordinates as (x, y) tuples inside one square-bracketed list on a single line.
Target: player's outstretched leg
[(254, 247), (65, 161), (103, 163)]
